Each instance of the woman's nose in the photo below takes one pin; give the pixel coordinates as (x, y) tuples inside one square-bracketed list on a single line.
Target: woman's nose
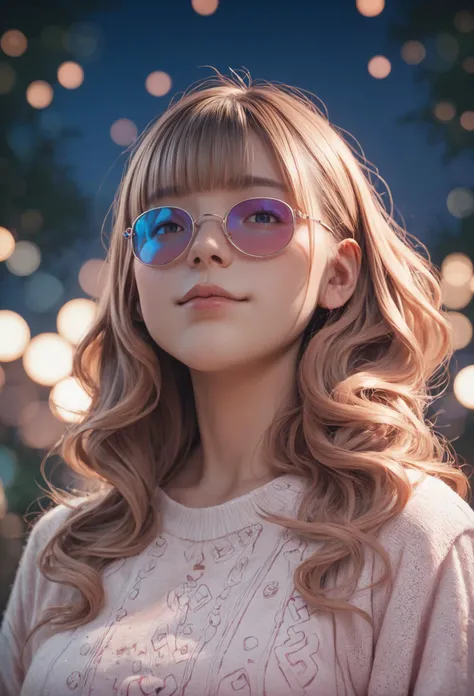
[(210, 241)]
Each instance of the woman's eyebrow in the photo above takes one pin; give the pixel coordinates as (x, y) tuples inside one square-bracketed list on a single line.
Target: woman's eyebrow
[(249, 181)]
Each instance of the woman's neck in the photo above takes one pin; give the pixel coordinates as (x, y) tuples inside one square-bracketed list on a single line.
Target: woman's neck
[(234, 410)]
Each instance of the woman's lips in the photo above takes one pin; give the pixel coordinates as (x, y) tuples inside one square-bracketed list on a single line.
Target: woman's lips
[(211, 302)]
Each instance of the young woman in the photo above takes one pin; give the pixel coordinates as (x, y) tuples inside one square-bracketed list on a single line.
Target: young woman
[(268, 512)]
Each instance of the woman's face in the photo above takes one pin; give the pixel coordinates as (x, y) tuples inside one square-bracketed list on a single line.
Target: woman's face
[(278, 305)]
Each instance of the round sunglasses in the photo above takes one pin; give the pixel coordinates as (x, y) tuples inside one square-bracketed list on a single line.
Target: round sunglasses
[(257, 227)]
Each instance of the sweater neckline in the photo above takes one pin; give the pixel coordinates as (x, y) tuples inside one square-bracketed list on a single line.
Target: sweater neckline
[(278, 496)]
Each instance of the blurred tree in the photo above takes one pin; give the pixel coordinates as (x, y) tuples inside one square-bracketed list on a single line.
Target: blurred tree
[(33, 178), (446, 30)]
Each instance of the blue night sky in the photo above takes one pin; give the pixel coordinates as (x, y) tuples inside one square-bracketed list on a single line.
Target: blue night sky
[(323, 47)]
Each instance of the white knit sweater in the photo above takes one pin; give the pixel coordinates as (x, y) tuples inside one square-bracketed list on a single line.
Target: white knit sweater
[(210, 609)]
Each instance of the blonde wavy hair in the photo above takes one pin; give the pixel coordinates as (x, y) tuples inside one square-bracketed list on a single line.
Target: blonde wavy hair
[(365, 371)]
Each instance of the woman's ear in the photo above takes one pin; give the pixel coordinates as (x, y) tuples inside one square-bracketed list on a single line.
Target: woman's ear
[(341, 276)]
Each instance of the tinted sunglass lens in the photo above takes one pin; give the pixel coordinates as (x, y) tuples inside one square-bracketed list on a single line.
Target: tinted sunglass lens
[(260, 226), (161, 235)]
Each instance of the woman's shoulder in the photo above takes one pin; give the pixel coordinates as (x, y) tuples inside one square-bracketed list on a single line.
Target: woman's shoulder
[(46, 523), (433, 519)]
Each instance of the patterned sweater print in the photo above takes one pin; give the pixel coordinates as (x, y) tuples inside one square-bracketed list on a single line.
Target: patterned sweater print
[(209, 608)]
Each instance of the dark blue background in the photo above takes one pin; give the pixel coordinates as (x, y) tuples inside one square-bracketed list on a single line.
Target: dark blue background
[(323, 47)]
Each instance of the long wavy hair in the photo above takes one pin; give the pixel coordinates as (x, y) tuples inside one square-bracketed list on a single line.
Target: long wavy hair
[(365, 376)]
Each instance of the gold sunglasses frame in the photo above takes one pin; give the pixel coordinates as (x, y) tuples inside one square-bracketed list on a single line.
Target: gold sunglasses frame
[(296, 214)]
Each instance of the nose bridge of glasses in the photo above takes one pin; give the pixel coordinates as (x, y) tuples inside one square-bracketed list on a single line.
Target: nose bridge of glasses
[(208, 215), (197, 222)]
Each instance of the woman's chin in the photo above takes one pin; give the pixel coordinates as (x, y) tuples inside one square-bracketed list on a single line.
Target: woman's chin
[(212, 360)]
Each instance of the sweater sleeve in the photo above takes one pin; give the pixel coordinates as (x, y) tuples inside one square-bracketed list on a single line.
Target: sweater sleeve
[(426, 642), (25, 603)]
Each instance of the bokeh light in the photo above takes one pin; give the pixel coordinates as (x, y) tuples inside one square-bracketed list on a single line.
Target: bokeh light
[(12, 526), (3, 508), (38, 428), (7, 244), (379, 67), (92, 277), (464, 21), (13, 43), (14, 335), (51, 122), (463, 386), (468, 64), (462, 329), (42, 291), (75, 318), (31, 221), (447, 47), (39, 94), (445, 111), (14, 398), (7, 78), (455, 296), (48, 358), (370, 8), (25, 259), (22, 139), (205, 7), (413, 52), (467, 120), (8, 465), (84, 40), (123, 132), (460, 202), (70, 75), (457, 269), (158, 83), (68, 400)]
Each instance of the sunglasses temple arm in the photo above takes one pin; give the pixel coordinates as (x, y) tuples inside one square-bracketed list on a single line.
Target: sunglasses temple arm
[(304, 216)]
